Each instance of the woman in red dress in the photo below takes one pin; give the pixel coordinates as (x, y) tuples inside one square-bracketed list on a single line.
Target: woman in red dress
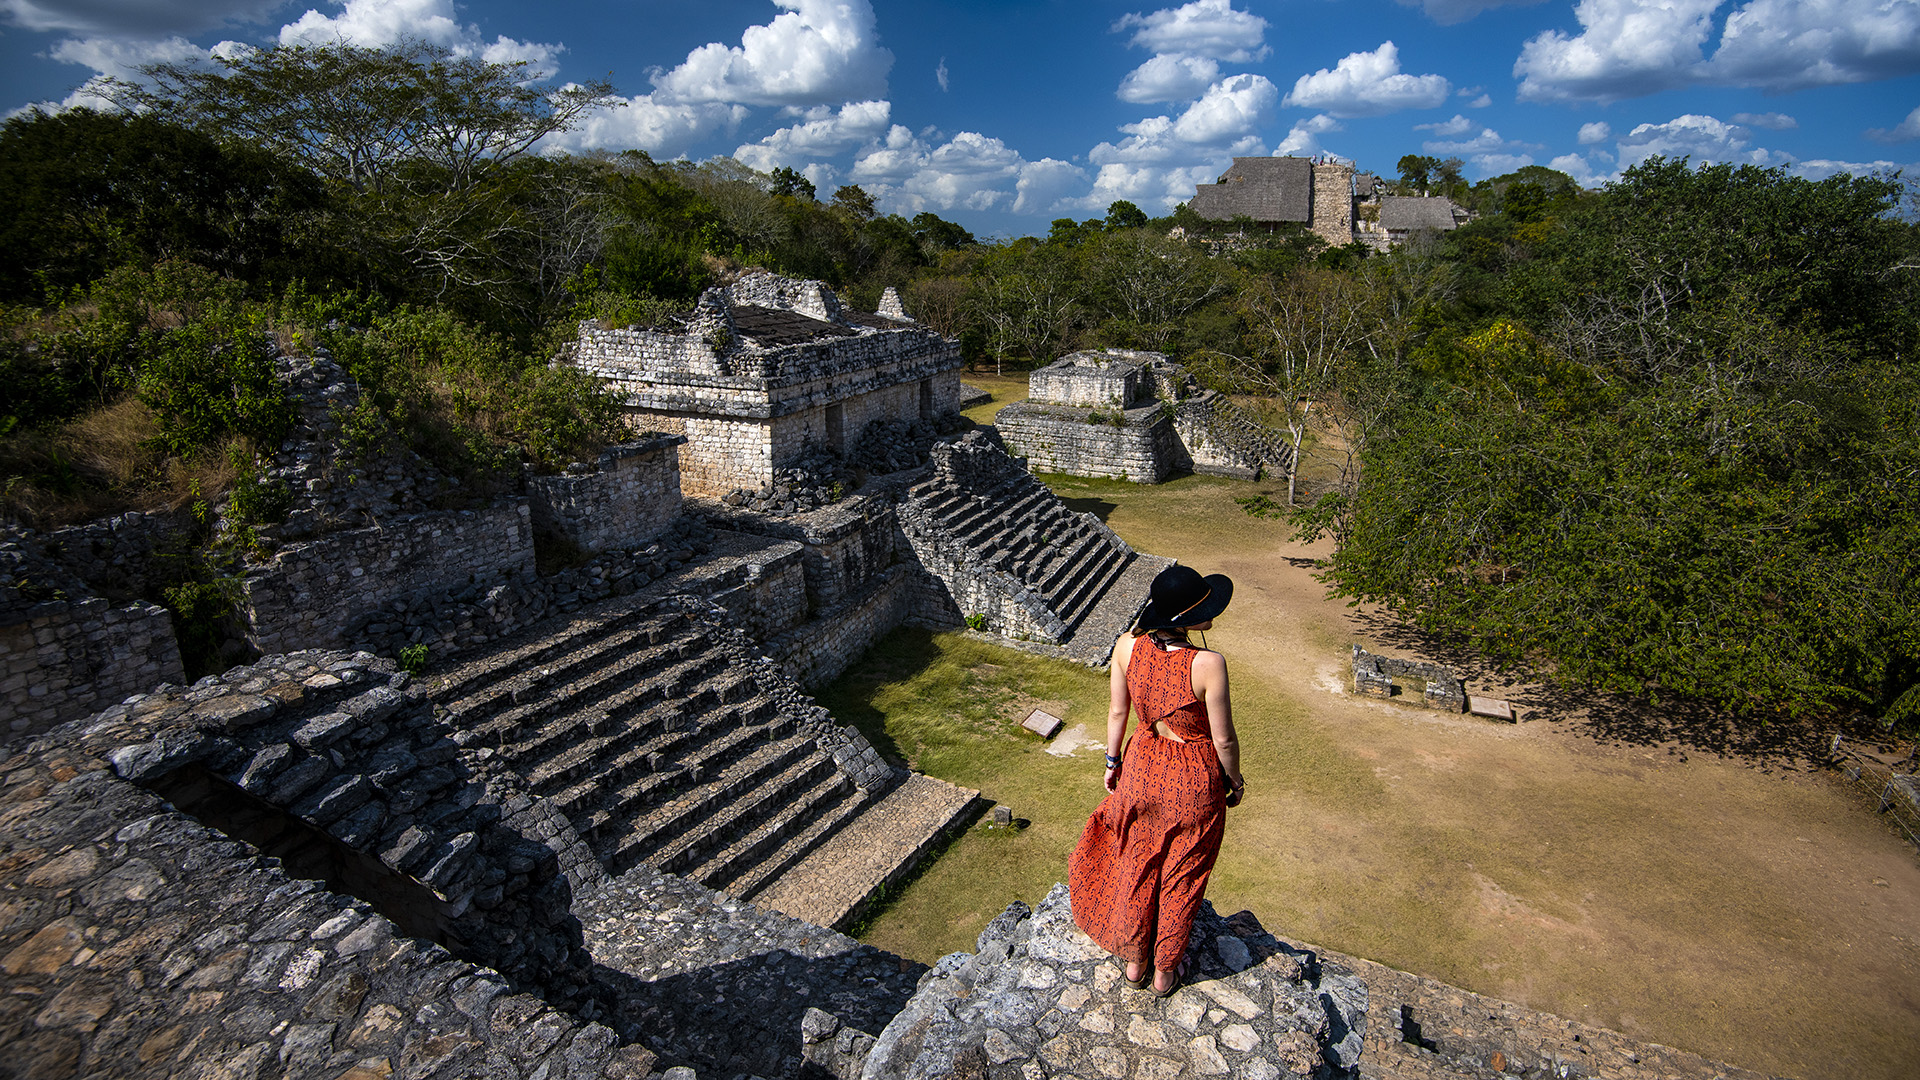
[(1140, 869)]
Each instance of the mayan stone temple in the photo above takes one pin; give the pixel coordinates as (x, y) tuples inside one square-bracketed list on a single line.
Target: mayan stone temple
[(603, 830)]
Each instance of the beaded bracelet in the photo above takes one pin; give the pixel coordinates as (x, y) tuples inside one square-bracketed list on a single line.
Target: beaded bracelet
[(1112, 762)]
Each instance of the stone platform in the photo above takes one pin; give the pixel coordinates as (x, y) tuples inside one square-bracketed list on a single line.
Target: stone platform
[(834, 883), (1040, 999)]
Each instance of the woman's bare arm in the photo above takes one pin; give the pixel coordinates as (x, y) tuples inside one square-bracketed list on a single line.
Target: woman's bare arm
[(1210, 686), (1117, 705)]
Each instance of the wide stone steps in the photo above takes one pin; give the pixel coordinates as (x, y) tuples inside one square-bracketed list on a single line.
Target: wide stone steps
[(715, 830), (1100, 576), (543, 677), (683, 809), (492, 672), (531, 733), (757, 859)]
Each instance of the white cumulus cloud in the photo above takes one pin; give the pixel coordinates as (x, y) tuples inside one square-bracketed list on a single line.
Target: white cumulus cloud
[(374, 23), (1368, 84), (1628, 48), (1772, 121), (1169, 77), (815, 52), (1231, 109), (822, 133), (1625, 48), (1901, 132), (1581, 169), (1303, 139), (1821, 168), (1702, 138), (662, 129), (1459, 125), (1792, 44), (1448, 12), (1202, 28), (1596, 132), (970, 171)]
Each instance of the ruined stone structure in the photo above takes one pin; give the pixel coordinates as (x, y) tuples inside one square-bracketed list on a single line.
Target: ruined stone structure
[(1127, 415), (1440, 688), (765, 369), (1336, 204), (609, 835)]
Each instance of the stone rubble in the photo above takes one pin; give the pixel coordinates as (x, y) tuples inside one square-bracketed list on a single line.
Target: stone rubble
[(1039, 999)]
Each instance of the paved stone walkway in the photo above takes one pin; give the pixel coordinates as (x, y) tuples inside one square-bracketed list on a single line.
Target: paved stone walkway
[(833, 884)]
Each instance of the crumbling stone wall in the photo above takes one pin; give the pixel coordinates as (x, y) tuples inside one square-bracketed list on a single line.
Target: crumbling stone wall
[(1096, 379), (1373, 676), (751, 404), (819, 651), (455, 849), (65, 658), (628, 496), (846, 544), (63, 651), (308, 595)]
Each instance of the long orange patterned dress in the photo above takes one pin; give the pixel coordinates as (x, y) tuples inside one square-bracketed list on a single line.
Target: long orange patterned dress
[(1140, 869)]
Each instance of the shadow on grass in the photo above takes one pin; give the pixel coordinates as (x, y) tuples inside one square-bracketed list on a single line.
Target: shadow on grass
[(895, 657), (1626, 719), (1099, 508)]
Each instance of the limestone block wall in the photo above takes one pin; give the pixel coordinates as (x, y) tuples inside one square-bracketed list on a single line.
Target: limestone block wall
[(63, 659), (1101, 379), (1332, 203), (764, 593), (820, 650), (1142, 449), (846, 545), (974, 588), (628, 496), (310, 594)]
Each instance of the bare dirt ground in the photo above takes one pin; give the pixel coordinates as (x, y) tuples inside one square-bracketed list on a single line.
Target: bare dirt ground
[(1652, 873)]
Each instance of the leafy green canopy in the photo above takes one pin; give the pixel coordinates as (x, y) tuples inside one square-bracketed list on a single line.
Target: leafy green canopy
[(1679, 458)]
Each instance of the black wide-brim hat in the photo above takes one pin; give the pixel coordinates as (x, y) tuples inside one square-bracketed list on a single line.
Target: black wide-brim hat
[(1181, 597)]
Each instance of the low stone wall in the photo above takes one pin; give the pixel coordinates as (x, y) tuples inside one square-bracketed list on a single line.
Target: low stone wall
[(764, 591), (64, 659), (818, 651), (974, 588), (1373, 676), (309, 595), (115, 556), (628, 496), (1141, 448)]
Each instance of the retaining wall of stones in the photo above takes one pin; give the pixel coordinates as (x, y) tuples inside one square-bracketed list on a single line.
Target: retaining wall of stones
[(309, 595), (625, 498), (818, 651), (1142, 448), (847, 544), (66, 658), (1373, 676)]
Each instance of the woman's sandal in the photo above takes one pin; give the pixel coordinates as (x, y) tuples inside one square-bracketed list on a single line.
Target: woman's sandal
[(1179, 978), (1145, 980)]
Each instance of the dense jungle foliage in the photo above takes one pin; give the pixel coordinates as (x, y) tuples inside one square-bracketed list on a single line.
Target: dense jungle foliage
[(1658, 437)]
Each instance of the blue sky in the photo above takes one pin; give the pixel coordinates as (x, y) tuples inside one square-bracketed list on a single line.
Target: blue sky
[(1005, 114)]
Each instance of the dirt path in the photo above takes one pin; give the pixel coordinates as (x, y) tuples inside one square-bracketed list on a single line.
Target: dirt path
[(1747, 911)]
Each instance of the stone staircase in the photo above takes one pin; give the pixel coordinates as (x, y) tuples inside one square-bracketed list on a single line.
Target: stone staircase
[(666, 740), (1006, 532)]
